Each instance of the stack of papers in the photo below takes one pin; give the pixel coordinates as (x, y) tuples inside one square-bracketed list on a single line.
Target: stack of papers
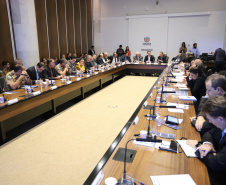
[(184, 179)]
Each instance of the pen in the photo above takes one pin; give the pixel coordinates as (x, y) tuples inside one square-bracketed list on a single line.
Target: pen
[(139, 182), (210, 151)]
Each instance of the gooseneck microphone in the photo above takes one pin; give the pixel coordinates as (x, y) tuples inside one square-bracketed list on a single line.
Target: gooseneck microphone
[(125, 181)]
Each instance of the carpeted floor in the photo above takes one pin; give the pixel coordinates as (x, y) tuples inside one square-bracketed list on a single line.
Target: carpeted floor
[(66, 148)]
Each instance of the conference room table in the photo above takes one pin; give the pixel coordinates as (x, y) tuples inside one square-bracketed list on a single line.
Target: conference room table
[(150, 161), (29, 106)]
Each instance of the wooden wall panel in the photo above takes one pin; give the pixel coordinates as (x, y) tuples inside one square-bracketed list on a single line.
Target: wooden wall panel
[(6, 50), (62, 26), (41, 28), (52, 28), (77, 26), (83, 26), (73, 34), (89, 23), (70, 26)]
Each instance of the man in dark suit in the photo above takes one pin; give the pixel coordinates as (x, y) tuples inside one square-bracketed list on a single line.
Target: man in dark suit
[(161, 58), (126, 58), (149, 58), (219, 56), (212, 149), (88, 64), (113, 58), (215, 85), (91, 51), (120, 52), (35, 73), (49, 72), (100, 59)]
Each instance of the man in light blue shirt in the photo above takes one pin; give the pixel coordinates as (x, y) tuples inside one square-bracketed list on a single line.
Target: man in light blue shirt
[(195, 50)]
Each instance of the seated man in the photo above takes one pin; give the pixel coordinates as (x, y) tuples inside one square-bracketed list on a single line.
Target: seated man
[(63, 68), (5, 68), (16, 78), (35, 73), (49, 72), (179, 58), (215, 85), (212, 149), (137, 57), (149, 58), (88, 64), (126, 58), (161, 58), (72, 65), (100, 59), (105, 58)]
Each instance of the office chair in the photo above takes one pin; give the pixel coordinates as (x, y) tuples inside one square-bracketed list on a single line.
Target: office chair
[(2, 83)]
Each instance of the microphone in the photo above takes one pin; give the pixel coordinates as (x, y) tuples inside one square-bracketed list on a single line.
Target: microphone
[(149, 140), (127, 181)]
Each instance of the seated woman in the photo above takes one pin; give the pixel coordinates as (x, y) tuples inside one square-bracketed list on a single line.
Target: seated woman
[(81, 65), (196, 82)]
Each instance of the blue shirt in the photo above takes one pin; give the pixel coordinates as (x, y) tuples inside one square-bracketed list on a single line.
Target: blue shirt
[(195, 51)]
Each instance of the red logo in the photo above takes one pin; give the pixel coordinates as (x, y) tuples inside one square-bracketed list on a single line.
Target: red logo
[(146, 39)]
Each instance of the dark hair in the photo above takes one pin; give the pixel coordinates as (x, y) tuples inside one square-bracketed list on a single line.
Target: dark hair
[(92, 46), (49, 60), (194, 44), (183, 43), (217, 81), (40, 64), (215, 107), (120, 46), (17, 68), (4, 63), (148, 51), (62, 61), (126, 48), (196, 70)]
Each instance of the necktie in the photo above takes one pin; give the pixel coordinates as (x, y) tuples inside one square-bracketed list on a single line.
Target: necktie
[(37, 75), (51, 72), (223, 133)]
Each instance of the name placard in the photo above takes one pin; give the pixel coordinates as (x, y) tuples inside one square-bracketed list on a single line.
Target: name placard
[(53, 87), (78, 79), (10, 102), (36, 93), (98, 178), (68, 82), (135, 121)]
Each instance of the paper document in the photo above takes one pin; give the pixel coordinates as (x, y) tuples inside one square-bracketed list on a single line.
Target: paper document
[(177, 80), (179, 106), (176, 110), (180, 85), (184, 179), (150, 144), (190, 98), (188, 150)]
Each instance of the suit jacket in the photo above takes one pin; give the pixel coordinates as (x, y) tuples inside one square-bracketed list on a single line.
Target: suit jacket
[(32, 74), (46, 73), (139, 58), (124, 58), (91, 52), (152, 59), (111, 59), (99, 61), (216, 164), (163, 58), (88, 65)]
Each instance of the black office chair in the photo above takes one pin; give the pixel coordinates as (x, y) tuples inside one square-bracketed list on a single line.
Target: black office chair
[(2, 83)]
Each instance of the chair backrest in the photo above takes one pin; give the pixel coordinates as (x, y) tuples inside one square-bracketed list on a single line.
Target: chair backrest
[(2, 83), (209, 72)]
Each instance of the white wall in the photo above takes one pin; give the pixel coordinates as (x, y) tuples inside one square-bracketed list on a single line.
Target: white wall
[(207, 28), (25, 29)]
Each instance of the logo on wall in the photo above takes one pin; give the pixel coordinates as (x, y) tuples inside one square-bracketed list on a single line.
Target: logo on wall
[(146, 41)]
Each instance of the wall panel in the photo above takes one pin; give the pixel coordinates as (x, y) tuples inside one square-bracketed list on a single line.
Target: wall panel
[(84, 26), (41, 28), (6, 50), (89, 23), (62, 27), (52, 28), (77, 27), (70, 25)]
